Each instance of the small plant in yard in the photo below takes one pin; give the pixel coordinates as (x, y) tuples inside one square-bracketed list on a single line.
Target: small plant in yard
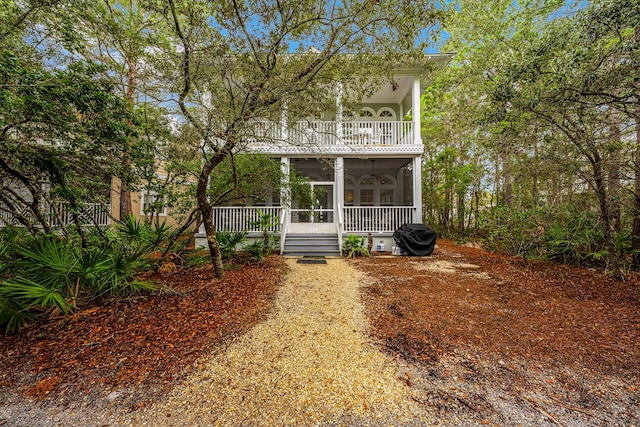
[(265, 222), (257, 250), (354, 246), (229, 241)]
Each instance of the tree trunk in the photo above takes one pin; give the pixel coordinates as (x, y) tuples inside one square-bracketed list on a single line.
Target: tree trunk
[(125, 199), (125, 193), (506, 176), (461, 214), (207, 215), (635, 234), (605, 214), (614, 174), (535, 178)]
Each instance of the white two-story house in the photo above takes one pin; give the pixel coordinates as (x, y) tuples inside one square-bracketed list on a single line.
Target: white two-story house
[(364, 171)]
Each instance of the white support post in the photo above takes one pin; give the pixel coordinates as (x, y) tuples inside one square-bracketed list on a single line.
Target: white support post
[(285, 189), (417, 189), (415, 110), (339, 176), (284, 125), (339, 132)]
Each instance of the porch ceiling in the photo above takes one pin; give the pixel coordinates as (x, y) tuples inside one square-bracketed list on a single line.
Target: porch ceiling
[(390, 94), (400, 92), (364, 165)]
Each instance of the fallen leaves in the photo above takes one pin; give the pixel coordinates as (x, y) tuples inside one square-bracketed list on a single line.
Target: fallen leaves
[(521, 330), (540, 311), (141, 341)]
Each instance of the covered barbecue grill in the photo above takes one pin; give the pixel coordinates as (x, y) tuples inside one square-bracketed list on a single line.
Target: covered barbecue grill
[(415, 239)]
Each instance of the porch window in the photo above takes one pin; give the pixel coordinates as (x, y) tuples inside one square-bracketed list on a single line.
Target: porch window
[(386, 197), (366, 197)]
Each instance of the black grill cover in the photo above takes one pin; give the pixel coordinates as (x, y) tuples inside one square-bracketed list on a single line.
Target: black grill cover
[(415, 239)]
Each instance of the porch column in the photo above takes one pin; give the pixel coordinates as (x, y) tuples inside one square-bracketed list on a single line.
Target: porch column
[(339, 90), (284, 125), (417, 189), (285, 189), (340, 181), (415, 109)]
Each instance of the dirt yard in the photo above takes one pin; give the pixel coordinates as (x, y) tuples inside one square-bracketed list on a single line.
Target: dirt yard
[(503, 343), (482, 339)]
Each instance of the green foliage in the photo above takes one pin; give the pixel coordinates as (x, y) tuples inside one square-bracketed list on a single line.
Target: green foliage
[(197, 257), (245, 176), (518, 233), (354, 246), (258, 250), (567, 236), (63, 127), (45, 274), (230, 241), (264, 223), (575, 237), (13, 314)]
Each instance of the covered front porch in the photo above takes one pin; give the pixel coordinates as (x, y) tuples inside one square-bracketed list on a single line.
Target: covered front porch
[(336, 197)]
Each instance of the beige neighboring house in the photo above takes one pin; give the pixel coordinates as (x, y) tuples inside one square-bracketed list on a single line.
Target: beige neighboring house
[(96, 214)]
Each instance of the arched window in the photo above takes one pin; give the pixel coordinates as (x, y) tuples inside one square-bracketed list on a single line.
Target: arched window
[(386, 113), (376, 191), (366, 112)]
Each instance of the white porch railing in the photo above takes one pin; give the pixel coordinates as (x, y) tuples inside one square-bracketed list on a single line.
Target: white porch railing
[(340, 227), (362, 219), (350, 219), (245, 218), (377, 133), (323, 133), (314, 133), (58, 215), (91, 214)]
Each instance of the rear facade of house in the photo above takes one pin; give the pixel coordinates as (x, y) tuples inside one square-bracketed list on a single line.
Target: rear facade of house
[(363, 172)]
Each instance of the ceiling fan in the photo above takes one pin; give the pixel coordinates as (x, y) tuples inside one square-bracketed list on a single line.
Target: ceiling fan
[(373, 175)]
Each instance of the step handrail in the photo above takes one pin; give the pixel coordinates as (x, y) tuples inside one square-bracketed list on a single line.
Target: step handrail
[(284, 224), (339, 228)]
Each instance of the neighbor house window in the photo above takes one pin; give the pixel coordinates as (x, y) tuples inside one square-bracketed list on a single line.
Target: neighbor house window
[(153, 204)]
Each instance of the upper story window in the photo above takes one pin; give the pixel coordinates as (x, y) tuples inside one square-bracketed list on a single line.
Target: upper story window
[(366, 113), (386, 113), (152, 204)]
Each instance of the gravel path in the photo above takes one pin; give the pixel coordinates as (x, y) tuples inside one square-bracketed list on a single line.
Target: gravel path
[(310, 363)]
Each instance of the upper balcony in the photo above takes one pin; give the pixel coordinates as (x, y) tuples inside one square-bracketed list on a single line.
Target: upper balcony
[(336, 137)]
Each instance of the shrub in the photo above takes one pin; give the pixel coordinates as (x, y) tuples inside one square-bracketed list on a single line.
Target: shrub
[(575, 237), (355, 246), (229, 241), (47, 275), (257, 250)]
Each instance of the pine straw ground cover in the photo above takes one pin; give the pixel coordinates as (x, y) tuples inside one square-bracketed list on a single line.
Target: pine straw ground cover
[(507, 343), (131, 351), (474, 338)]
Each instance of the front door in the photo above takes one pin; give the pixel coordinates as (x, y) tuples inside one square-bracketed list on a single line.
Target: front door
[(312, 210)]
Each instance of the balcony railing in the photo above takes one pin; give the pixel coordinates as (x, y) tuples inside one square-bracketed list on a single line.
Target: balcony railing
[(328, 133), (378, 133)]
